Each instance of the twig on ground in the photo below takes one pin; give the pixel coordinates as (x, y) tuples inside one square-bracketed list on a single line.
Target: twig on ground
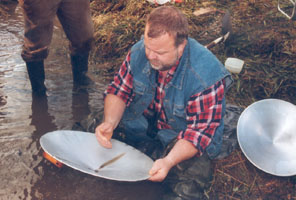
[(228, 175)]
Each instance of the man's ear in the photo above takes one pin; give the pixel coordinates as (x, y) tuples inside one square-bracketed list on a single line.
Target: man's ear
[(181, 47)]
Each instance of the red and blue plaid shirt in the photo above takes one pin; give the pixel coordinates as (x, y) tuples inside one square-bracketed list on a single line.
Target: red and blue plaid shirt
[(204, 109)]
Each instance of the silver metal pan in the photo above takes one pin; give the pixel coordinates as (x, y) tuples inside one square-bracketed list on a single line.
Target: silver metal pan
[(81, 151), (267, 136)]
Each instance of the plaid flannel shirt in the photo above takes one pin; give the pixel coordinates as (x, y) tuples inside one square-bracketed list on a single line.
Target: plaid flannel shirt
[(203, 110)]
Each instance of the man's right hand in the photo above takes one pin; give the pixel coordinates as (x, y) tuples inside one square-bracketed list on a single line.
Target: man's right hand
[(104, 133)]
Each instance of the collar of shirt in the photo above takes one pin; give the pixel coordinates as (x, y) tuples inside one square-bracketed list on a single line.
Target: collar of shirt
[(169, 75)]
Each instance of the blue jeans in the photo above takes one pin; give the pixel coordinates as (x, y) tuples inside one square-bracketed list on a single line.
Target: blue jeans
[(136, 131)]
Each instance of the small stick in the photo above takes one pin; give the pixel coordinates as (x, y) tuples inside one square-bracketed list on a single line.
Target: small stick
[(228, 175), (233, 164), (110, 161)]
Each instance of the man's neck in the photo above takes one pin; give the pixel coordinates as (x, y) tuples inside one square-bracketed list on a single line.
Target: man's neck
[(163, 73)]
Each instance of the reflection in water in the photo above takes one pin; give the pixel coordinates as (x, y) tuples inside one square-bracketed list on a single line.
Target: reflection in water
[(41, 119), (80, 99), (16, 158)]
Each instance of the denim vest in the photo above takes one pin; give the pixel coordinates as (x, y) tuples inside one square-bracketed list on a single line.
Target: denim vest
[(198, 70)]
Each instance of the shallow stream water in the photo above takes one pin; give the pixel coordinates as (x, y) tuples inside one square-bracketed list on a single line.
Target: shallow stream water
[(24, 173)]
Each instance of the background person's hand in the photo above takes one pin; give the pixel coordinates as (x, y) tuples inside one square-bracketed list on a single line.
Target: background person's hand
[(104, 133)]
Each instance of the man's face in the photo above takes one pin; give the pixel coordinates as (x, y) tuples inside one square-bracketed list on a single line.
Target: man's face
[(161, 51)]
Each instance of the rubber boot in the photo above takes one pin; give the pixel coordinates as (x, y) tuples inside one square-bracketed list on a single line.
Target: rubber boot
[(37, 76), (79, 69)]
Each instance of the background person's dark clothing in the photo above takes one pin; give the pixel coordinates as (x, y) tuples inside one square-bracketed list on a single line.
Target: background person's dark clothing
[(39, 15)]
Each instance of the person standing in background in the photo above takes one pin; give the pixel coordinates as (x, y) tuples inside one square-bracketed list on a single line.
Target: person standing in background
[(75, 18)]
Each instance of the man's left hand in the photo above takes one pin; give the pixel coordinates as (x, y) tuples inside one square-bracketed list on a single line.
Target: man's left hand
[(160, 169), (181, 151)]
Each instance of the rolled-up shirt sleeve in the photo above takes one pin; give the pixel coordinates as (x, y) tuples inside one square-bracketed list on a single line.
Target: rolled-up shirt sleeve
[(204, 114), (122, 84)]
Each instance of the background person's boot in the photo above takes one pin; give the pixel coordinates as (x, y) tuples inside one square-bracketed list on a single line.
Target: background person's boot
[(79, 69), (37, 76)]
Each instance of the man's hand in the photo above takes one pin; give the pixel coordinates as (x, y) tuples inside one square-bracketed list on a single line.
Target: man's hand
[(181, 151), (104, 133), (160, 169), (113, 111)]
